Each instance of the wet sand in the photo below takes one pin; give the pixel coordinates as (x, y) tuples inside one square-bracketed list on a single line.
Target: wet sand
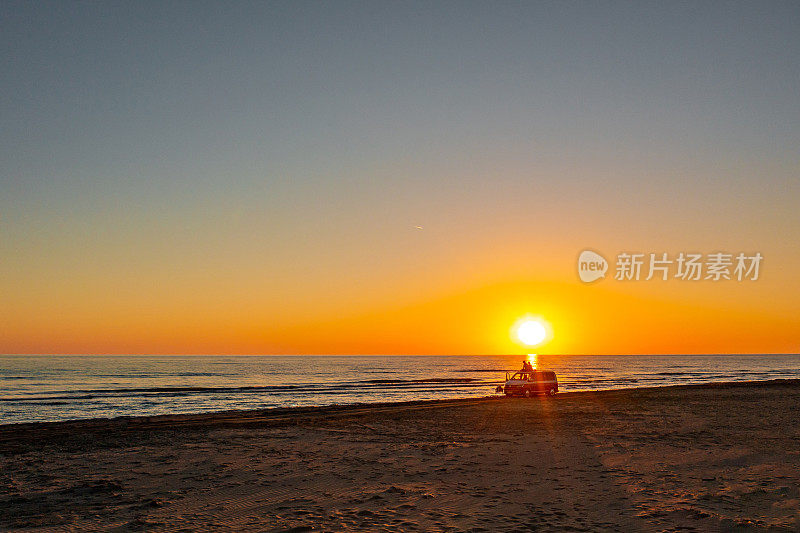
[(722, 457)]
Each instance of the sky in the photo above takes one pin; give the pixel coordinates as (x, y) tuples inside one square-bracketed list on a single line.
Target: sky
[(394, 177)]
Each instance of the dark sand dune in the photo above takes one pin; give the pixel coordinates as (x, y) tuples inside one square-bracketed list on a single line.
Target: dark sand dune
[(704, 458)]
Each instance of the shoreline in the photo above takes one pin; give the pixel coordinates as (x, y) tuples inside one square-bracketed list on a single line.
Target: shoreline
[(277, 416)]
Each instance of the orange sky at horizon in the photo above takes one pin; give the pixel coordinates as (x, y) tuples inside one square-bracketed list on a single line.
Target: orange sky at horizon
[(586, 319)]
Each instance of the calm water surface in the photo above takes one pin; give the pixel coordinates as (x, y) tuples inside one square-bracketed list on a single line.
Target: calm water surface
[(50, 388)]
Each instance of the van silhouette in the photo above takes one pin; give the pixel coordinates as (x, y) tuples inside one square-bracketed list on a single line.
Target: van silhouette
[(529, 383)]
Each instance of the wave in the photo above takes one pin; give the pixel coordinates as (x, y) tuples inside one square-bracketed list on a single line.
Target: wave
[(320, 388), (485, 370), (430, 380)]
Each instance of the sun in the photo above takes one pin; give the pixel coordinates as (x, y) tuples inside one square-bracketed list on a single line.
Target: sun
[(530, 331)]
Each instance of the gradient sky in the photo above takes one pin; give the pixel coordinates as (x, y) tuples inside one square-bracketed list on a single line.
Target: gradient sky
[(189, 177)]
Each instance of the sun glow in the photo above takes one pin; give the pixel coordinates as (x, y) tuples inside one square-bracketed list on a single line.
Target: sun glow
[(531, 331)]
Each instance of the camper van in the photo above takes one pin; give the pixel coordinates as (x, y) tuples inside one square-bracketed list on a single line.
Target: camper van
[(530, 382)]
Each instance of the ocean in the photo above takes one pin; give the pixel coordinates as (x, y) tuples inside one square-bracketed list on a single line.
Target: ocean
[(54, 388)]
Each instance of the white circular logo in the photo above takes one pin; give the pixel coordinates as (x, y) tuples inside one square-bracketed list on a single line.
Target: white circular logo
[(591, 266)]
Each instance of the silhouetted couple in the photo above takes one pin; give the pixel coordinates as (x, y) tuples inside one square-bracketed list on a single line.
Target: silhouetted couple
[(527, 367)]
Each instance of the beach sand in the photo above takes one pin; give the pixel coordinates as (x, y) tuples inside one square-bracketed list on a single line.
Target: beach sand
[(720, 457)]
